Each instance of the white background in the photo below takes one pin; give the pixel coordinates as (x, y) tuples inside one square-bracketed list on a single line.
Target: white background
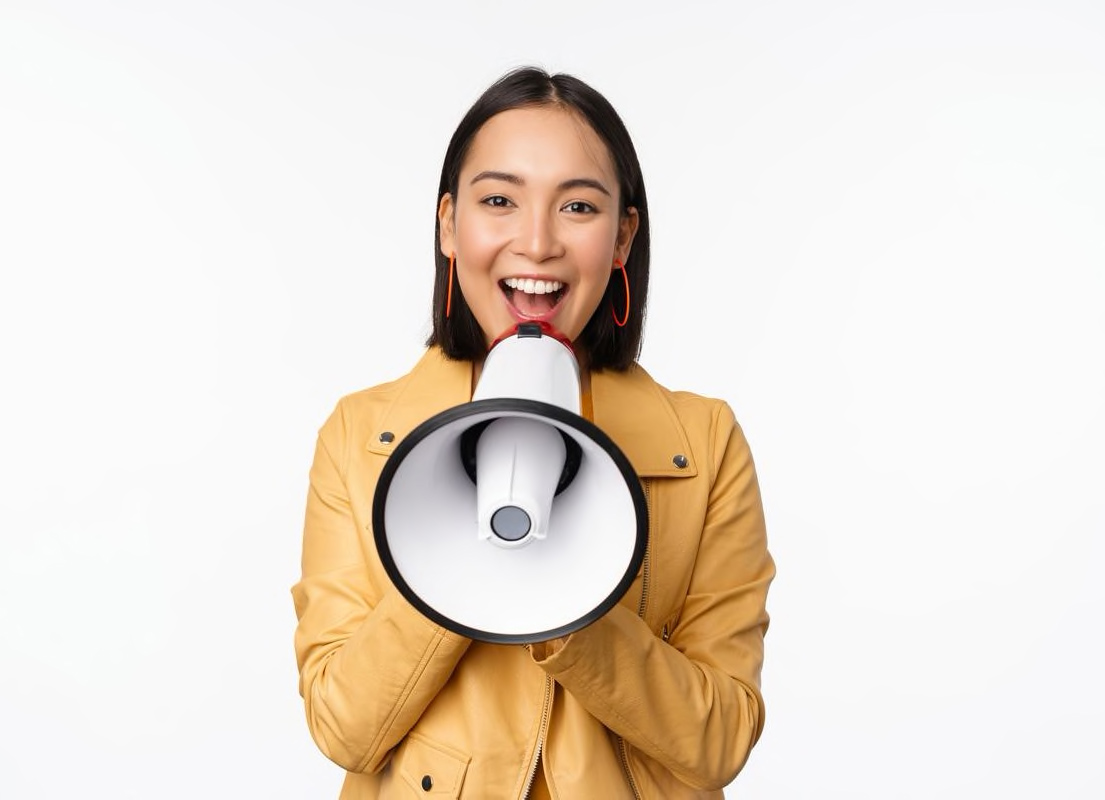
[(879, 233)]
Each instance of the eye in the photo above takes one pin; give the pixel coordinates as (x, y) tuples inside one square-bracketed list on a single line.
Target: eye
[(580, 207), (497, 201)]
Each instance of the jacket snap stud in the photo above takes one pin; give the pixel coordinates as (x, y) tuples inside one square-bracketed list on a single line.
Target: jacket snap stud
[(680, 461), (387, 437), (427, 783)]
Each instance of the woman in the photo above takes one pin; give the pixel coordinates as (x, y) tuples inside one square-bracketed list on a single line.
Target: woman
[(541, 203)]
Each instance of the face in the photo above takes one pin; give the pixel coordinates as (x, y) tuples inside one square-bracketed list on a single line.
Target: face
[(536, 222)]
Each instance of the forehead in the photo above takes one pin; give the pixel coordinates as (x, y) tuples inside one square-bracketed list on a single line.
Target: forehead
[(536, 141)]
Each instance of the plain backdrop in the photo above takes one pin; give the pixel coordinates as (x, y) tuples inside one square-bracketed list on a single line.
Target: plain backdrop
[(879, 233)]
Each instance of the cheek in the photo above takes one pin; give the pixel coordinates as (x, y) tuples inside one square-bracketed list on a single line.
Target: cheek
[(595, 253), (479, 239)]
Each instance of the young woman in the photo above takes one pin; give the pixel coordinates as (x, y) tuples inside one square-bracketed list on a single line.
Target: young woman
[(542, 215)]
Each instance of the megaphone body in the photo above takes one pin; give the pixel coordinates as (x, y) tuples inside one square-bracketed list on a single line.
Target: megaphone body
[(511, 518)]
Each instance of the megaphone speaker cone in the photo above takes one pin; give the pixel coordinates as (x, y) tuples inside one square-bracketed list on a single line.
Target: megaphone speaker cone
[(512, 518), (427, 532)]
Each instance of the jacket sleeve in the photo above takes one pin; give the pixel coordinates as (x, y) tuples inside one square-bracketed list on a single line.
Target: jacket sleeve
[(691, 703), (369, 663)]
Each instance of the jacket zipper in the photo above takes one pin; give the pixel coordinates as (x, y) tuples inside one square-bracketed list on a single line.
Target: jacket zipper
[(646, 568), (542, 731), (646, 576)]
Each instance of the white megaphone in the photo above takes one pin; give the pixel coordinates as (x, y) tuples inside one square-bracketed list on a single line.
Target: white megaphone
[(512, 519)]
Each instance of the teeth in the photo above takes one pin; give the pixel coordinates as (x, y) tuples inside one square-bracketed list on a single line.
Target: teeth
[(530, 286)]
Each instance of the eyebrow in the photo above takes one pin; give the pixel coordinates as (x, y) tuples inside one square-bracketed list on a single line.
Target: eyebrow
[(571, 183)]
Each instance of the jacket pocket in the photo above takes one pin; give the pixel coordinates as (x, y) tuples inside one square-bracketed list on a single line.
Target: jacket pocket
[(430, 769)]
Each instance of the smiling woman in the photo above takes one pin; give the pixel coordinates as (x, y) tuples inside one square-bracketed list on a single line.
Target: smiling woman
[(553, 158), (542, 218), (536, 224), (533, 227)]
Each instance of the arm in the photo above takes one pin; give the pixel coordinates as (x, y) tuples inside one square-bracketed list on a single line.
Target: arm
[(691, 703), (369, 663)]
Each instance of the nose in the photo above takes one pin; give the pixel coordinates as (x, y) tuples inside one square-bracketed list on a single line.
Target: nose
[(538, 238)]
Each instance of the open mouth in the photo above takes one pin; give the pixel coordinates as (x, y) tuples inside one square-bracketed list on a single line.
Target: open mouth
[(533, 298)]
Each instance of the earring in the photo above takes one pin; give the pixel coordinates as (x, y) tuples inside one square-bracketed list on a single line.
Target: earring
[(625, 318), (449, 291)]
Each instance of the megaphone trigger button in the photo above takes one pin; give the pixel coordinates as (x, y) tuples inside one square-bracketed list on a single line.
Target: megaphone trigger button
[(387, 437), (680, 461)]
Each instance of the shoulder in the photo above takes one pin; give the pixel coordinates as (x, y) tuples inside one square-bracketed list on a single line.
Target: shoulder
[(695, 411), (709, 424), (366, 403), (382, 415), (371, 400), (357, 413)]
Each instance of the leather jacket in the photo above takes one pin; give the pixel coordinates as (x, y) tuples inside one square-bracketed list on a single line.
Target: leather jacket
[(658, 698)]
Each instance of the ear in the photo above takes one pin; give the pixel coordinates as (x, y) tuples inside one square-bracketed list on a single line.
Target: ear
[(627, 230), (447, 225)]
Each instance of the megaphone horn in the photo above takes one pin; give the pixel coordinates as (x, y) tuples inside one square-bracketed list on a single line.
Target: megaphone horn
[(511, 518)]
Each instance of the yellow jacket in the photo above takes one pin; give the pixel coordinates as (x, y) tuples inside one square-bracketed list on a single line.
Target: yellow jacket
[(659, 698)]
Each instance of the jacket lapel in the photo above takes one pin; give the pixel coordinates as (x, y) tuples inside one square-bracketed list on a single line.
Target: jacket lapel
[(435, 384), (634, 411)]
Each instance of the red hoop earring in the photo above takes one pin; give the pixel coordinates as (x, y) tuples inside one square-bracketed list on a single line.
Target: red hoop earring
[(449, 291), (621, 322)]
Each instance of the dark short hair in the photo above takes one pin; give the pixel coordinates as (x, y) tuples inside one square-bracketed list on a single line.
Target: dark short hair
[(608, 346)]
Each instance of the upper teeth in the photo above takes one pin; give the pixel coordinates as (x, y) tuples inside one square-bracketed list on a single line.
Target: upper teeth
[(530, 286)]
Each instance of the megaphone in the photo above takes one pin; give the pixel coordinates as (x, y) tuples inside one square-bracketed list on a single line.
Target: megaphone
[(512, 519)]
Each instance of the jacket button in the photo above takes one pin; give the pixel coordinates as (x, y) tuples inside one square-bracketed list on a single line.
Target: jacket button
[(387, 437), (427, 783), (680, 461)]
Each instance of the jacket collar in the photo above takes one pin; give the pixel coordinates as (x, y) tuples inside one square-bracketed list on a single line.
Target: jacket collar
[(634, 411), (629, 407)]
